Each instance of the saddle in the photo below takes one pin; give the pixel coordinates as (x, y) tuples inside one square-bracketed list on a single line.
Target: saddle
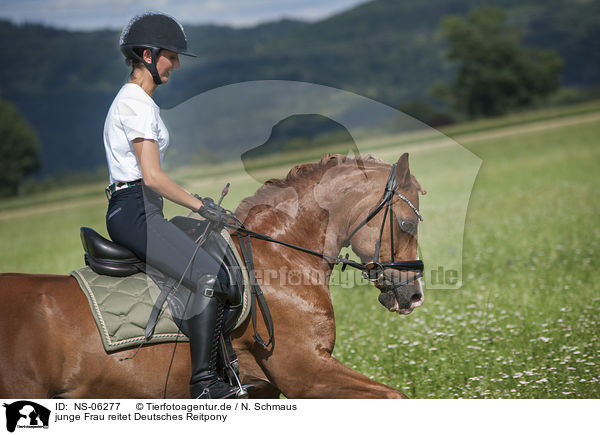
[(106, 257)]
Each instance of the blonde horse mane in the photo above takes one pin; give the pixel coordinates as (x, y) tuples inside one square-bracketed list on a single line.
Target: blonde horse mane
[(301, 175)]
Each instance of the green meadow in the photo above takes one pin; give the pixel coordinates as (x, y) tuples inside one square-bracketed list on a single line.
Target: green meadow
[(524, 324)]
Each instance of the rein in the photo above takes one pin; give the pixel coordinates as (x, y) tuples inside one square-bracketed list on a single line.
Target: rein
[(410, 265), (366, 268)]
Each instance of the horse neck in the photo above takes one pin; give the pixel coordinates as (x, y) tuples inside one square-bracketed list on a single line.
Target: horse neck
[(329, 207), (314, 210)]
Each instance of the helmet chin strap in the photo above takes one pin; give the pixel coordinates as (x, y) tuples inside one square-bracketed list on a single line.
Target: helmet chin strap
[(152, 65)]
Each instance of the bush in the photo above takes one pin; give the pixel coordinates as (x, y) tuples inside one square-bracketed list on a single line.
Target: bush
[(19, 148)]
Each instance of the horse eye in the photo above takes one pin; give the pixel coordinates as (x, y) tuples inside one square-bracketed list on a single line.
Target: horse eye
[(408, 226)]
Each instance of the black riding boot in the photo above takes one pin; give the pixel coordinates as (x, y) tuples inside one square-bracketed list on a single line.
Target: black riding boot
[(205, 326)]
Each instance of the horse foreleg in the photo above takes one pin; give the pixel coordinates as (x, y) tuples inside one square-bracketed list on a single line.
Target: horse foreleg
[(300, 362), (312, 374)]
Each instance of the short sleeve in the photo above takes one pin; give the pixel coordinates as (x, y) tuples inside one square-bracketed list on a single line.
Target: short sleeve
[(138, 120)]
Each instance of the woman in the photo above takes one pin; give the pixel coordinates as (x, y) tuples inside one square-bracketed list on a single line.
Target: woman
[(135, 140)]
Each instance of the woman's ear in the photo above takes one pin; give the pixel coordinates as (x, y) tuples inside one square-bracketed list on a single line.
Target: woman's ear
[(147, 55)]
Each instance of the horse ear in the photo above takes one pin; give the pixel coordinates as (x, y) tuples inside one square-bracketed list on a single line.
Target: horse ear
[(402, 171)]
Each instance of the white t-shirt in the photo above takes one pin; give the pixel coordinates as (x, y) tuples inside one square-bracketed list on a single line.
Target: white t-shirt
[(133, 114)]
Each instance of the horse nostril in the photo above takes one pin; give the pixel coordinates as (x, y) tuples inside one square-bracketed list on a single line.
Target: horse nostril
[(416, 297)]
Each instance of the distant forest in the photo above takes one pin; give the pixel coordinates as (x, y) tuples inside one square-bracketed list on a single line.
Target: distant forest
[(389, 50)]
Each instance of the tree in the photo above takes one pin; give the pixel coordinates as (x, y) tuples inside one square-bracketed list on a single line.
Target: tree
[(19, 149), (495, 73)]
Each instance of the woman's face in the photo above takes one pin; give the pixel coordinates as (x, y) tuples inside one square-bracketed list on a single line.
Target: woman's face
[(166, 62)]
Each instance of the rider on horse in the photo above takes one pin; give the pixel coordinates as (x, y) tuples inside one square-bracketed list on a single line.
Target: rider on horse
[(135, 140)]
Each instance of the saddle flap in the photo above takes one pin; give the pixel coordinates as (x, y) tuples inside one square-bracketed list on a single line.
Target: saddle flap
[(111, 268)]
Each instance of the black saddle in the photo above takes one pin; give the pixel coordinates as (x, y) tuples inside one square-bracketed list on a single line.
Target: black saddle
[(106, 257)]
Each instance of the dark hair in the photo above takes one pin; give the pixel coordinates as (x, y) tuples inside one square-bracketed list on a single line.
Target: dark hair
[(133, 62)]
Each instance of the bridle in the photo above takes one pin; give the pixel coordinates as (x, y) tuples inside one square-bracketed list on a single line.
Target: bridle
[(373, 270)]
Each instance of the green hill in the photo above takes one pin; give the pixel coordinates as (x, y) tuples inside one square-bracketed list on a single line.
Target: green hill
[(388, 50)]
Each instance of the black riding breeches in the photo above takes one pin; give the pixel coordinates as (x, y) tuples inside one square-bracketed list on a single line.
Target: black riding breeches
[(135, 220)]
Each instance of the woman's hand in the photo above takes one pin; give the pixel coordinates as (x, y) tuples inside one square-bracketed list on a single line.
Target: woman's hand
[(212, 211)]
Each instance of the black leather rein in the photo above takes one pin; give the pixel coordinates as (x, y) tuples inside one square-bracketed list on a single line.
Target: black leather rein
[(367, 268)]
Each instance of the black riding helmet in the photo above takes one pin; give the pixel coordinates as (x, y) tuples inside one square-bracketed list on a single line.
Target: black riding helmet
[(155, 31)]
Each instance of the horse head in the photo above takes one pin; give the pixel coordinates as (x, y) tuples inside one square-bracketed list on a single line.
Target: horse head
[(385, 235), (370, 206)]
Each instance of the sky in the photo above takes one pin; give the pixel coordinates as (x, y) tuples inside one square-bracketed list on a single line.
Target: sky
[(114, 14)]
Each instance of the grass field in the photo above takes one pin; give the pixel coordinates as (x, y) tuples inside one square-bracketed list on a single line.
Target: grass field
[(525, 323)]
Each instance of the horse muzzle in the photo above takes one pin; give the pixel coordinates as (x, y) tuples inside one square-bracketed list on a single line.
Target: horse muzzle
[(402, 299)]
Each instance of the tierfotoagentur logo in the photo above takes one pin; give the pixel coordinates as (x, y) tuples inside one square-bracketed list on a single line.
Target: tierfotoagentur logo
[(26, 415)]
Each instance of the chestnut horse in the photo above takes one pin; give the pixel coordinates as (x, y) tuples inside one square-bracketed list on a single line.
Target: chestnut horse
[(50, 346)]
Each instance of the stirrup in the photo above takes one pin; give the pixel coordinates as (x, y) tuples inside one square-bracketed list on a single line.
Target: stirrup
[(229, 392), (206, 395)]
